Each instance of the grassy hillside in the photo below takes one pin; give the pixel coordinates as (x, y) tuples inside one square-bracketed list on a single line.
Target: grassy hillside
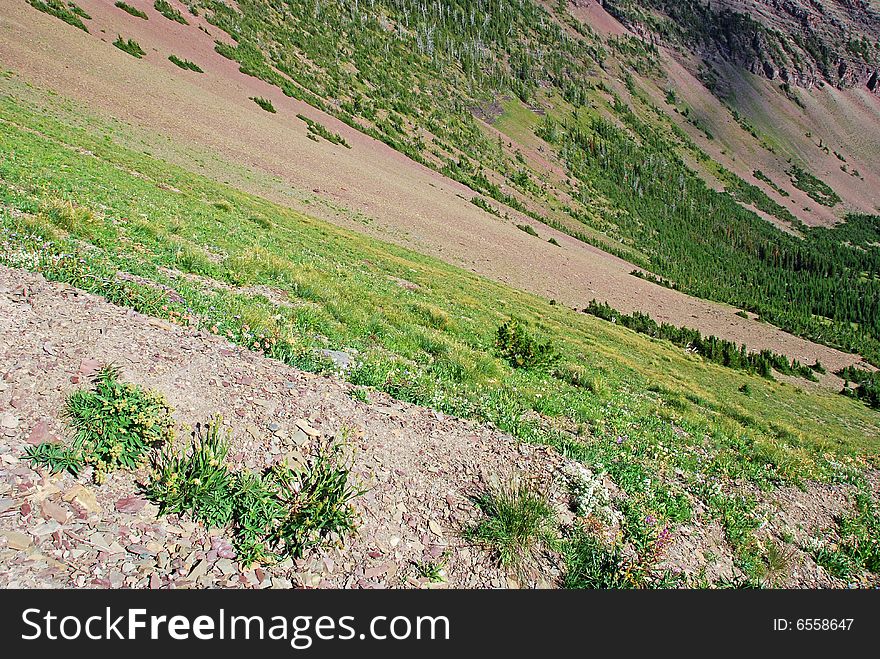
[(686, 441), (418, 76)]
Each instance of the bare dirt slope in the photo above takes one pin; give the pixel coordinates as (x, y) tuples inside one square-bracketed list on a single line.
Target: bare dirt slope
[(370, 187)]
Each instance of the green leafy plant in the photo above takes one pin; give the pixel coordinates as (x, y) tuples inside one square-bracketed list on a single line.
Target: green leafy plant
[(318, 497), (196, 481), (517, 523), (114, 426), (520, 350), (282, 512), (55, 457), (130, 46), (116, 423), (433, 571)]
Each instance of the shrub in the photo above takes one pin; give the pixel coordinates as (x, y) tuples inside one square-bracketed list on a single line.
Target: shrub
[(116, 423), (70, 14), (518, 522), (264, 103), (134, 11), (317, 130), (520, 350), (131, 47), (169, 12), (185, 64), (528, 228)]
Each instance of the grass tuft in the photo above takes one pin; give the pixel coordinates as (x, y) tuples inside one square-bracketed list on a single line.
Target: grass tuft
[(517, 524)]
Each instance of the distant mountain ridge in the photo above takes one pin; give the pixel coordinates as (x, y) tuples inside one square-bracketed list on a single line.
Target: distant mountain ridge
[(800, 42)]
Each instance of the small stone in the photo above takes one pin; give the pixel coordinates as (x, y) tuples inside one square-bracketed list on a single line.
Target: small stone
[(89, 367), (83, 497), (8, 421), (280, 583), (226, 566), (435, 528), (17, 541), (40, 434), (56, 511), (130, 505), (200, 570), (303, 425)]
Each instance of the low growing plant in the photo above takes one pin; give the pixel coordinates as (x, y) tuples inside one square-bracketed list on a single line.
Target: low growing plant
[(517, 523), (114, 426)]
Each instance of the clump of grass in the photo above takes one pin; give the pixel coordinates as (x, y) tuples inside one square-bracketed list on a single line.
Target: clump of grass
[(70, 13), (282, 512), (516, 346), (134, 11), (130, 46), (319, 130), (169, 12), (518, 522), (185, 64), (64, 214), (114, 426), (591, 565), (264, 103), (554, 242)]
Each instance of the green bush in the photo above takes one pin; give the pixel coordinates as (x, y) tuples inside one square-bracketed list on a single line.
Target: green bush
[(264, 103), (528, 228), (520, 350), (185, 64), (131, 47), (70, 13), (169, 12), (134, 11)]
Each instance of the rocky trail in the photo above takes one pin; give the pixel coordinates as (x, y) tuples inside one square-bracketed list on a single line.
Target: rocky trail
[(57, 531)]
